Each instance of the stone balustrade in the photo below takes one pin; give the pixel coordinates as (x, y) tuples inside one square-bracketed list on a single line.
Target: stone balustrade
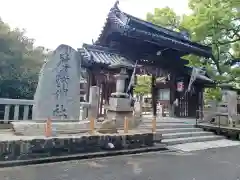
[(16, 103), (25, 105)]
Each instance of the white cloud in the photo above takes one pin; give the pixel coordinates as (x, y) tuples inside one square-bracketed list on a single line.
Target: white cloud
[(72, 22)]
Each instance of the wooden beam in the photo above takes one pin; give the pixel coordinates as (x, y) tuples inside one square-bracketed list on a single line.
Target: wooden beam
[(93, 79)]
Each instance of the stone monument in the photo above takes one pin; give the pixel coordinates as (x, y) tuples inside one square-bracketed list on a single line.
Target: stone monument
[(57, 97), (229, 101), (57, 94), (225, 111)]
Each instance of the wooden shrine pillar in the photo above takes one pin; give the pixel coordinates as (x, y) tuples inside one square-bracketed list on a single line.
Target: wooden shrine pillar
[(192, 103), (107, 89), (93, 80), (110, 88), (172, 87), (154, 95), (88, 84)]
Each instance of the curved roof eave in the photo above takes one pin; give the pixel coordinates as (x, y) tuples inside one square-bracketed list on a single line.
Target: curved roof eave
[(119, 21)]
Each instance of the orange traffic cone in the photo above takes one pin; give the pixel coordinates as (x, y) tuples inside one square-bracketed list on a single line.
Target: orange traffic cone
[(48, 128)]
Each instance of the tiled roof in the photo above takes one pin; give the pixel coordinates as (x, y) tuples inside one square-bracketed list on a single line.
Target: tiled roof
[(150, 32), (93, 54)]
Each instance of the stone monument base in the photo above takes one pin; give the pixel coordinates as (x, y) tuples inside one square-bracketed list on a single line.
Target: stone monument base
[(31, 128), (108, 126), (118, 110), (118, 118)]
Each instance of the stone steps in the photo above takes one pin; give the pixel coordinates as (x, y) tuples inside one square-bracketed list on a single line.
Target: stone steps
[(168, 125), (174, 130), (149, 121), (175, 141), (6, 132), (180, 131), (185, 134)]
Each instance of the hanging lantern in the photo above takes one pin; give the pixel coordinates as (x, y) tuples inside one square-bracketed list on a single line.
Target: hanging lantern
[(180, 86)]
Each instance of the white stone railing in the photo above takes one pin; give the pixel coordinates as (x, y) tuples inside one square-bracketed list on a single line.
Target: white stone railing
[(16, 103)]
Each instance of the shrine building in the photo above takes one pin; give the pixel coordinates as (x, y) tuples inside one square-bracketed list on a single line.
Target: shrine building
[(158, 52)]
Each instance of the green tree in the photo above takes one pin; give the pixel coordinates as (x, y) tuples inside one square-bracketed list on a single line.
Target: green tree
[(215, 23), (143, 86), (165, 17), (20, 63)]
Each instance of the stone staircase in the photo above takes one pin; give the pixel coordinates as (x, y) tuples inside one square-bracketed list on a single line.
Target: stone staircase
[(180, 131)]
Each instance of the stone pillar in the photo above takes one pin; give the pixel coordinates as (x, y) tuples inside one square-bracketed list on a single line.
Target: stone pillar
[(93, 100), (160, 110), (83, 109), (137, 109)]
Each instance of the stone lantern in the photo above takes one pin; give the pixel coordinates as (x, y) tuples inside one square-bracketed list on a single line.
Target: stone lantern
[(119, 102)]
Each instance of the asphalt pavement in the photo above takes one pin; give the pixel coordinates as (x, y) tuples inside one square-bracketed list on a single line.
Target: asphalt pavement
[(214, 164)]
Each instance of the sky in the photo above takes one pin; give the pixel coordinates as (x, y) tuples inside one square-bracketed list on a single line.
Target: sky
[(72, 22)]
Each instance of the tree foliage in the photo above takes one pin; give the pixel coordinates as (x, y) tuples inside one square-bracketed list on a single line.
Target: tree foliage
[(143, 86), (215, 23), (20, 63), (165, 17)]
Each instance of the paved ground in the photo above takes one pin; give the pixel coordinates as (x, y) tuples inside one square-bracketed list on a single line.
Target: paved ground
[(218, 164)]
